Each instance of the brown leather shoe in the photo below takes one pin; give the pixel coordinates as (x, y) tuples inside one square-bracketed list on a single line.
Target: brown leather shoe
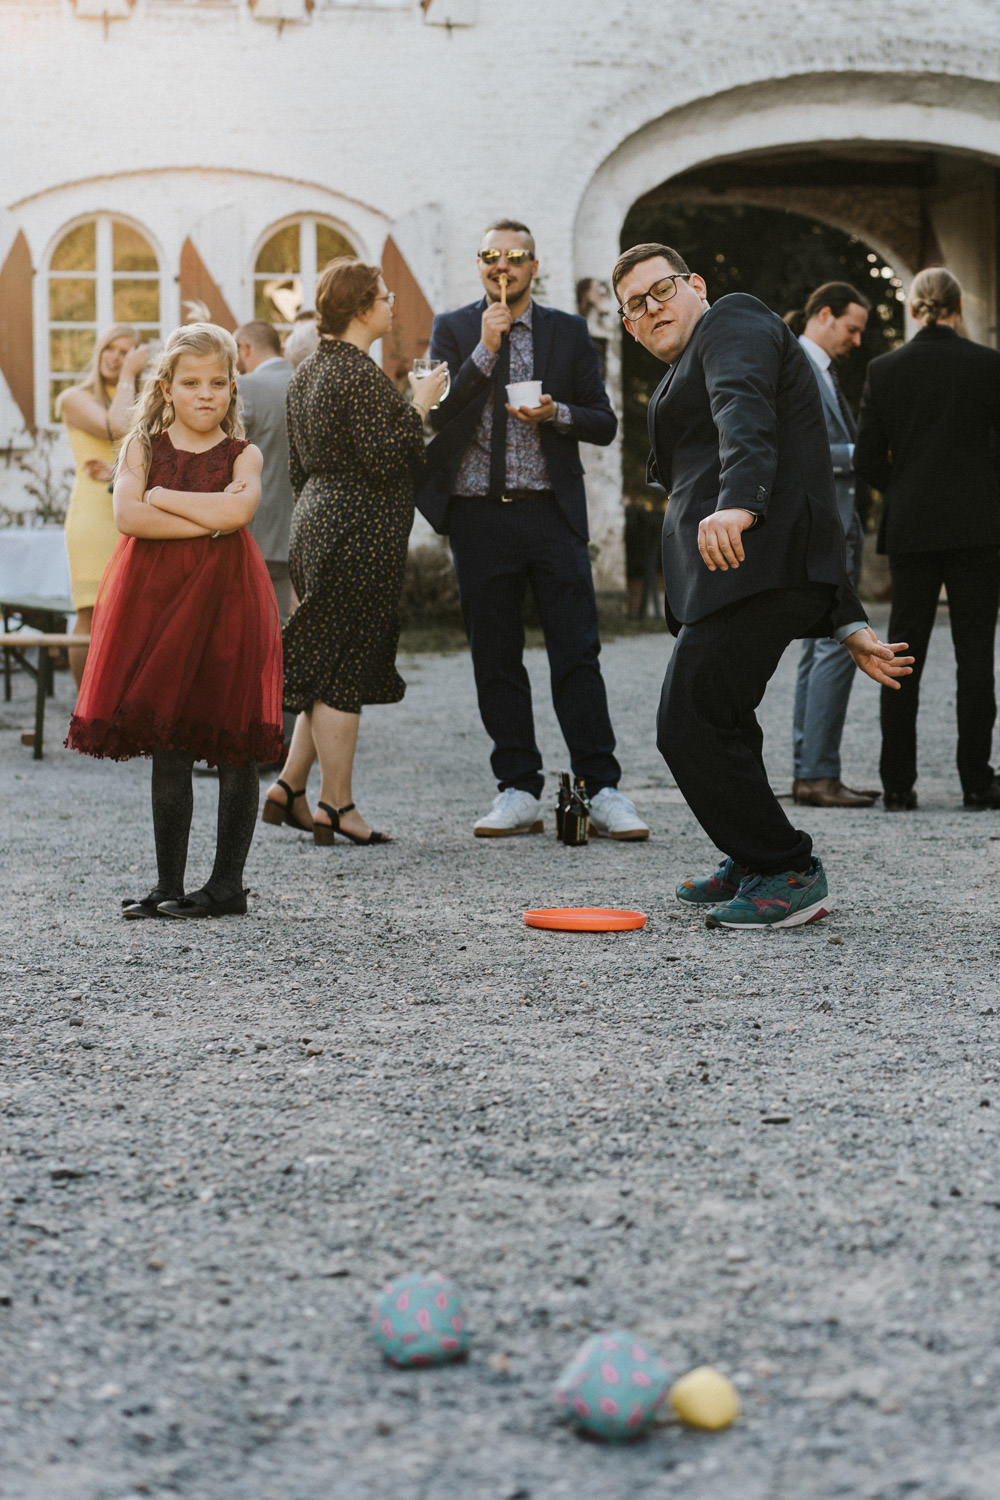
[(828, 791), (873, 793)]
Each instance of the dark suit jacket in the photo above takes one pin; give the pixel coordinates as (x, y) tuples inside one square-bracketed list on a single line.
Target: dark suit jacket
[(929, 439), (566, 364), (737, 421)]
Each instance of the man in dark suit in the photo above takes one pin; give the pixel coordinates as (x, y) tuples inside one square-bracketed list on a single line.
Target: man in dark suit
[(753, 556), (506, 483), (832, 323), (929, 439)]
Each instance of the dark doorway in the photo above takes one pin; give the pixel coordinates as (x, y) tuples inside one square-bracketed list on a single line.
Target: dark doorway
[(773, 254)]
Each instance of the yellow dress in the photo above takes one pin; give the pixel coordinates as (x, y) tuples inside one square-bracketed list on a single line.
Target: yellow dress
[(91, 533)]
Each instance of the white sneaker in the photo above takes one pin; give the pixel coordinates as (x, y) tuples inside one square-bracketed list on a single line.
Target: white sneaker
[(613, 816), (512, 812)]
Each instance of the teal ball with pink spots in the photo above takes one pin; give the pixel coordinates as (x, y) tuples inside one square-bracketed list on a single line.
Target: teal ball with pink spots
[(613, 1387), (419, 1320)]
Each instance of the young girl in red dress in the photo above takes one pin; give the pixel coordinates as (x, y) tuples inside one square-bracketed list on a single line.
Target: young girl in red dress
[(185, 655)]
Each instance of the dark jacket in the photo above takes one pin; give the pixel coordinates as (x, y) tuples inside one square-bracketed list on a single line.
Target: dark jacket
[(738, 421), (929, 439), (566, 364)]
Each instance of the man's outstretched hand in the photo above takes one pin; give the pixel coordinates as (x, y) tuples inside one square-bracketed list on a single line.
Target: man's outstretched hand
[(881, 662)]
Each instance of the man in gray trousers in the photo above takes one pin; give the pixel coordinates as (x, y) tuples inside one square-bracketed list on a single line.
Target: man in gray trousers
[(829, 327), (263, 382)]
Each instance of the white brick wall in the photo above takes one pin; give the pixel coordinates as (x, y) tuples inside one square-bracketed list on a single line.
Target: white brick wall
[(194, 117)]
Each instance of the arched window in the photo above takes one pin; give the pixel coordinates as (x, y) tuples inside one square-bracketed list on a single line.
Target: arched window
[(284, 274), (102, 271)]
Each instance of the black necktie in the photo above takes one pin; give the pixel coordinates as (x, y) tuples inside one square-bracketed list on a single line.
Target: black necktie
[(845, 410), (498, 437)]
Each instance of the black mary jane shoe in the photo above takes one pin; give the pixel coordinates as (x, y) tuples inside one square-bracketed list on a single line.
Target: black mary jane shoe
[(149, 906), (323, 834), (273, 812), (203, 904)]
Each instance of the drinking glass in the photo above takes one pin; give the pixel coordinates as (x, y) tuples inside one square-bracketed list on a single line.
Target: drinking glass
[(425, 366)]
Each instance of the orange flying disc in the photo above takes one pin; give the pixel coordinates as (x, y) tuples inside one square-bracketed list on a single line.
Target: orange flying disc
[(585, 918)]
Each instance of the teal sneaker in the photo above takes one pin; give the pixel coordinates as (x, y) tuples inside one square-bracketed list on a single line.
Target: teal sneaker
[(719, 886), (790, 899)]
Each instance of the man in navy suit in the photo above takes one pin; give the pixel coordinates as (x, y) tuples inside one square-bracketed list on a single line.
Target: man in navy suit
[(829, 328), (753, 557), (506, 483)]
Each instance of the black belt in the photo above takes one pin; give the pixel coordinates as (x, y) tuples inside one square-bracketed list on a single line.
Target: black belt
[(509, 496)]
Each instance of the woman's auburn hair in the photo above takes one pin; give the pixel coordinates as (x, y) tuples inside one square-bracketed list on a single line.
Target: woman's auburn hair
[(346, 287), (152, 415), (92, 384)]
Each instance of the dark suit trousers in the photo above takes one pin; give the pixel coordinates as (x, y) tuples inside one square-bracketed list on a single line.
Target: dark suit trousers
[(500, 550), (971, 576), (707, 729)]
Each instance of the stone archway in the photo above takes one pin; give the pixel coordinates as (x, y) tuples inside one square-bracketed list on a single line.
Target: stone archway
[(906, 163), (909, 164)]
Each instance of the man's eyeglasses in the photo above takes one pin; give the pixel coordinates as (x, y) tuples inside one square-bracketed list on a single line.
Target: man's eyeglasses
[(512, 257), (661, 291)]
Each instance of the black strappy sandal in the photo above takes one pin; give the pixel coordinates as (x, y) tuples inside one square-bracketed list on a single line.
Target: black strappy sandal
[(324, 835), (273, 812)]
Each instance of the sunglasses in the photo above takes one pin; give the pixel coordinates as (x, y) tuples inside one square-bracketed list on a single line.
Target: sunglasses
[(512, 257)]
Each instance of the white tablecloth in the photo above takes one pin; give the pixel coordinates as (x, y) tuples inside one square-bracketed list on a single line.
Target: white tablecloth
[(33, 563)]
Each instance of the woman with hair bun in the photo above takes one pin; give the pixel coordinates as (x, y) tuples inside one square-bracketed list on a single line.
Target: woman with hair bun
[(929, 439), (96, 413), (355, 446)]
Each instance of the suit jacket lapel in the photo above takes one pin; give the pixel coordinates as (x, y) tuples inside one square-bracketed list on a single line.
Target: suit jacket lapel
[(830, 402), (541, 340), (654, 402)]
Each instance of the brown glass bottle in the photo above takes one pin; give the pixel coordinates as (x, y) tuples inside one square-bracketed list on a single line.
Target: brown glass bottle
[(576, 819)]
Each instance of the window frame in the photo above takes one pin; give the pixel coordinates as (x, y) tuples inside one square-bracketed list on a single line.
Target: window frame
[(104, 277), (308, 267)]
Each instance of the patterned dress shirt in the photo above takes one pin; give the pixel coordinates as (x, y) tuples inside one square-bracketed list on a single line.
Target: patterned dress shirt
[(526, 466)]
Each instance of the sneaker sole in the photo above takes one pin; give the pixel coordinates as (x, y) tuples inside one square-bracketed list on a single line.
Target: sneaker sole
[(633, 836), (814, 913), (507, 833), (706, 900)]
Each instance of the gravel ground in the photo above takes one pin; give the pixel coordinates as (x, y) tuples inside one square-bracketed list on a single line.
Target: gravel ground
[(773, 1152)]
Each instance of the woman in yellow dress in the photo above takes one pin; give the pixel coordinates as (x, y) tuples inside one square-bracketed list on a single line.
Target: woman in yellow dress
[(96, 413)]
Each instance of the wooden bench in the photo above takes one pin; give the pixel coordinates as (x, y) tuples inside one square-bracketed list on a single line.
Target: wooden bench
[(17, 642)]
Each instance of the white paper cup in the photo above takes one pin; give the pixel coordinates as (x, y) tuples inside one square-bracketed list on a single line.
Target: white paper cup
[(525, 393)]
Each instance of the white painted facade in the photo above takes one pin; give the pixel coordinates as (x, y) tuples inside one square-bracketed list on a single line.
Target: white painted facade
[(219, 121)]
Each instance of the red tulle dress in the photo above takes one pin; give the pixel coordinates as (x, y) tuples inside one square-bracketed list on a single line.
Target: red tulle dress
[(185, 649)]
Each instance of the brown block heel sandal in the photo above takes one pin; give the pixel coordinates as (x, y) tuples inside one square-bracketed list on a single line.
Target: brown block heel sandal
[(324, 835), (274, 812)]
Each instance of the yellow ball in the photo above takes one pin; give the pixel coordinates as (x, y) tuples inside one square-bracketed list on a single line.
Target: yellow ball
[(704, 1398)]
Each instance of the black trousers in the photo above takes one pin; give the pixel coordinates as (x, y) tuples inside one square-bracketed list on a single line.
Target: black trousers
[(500, 550), (971, 576), (707, 729)]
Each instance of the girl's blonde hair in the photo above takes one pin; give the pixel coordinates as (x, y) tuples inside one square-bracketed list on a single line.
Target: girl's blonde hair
[(935, 294), (152, 415), (92, 384)]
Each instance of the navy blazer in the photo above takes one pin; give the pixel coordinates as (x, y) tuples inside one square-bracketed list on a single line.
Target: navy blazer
[(737, 421), (566, 363), (929, 439)]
